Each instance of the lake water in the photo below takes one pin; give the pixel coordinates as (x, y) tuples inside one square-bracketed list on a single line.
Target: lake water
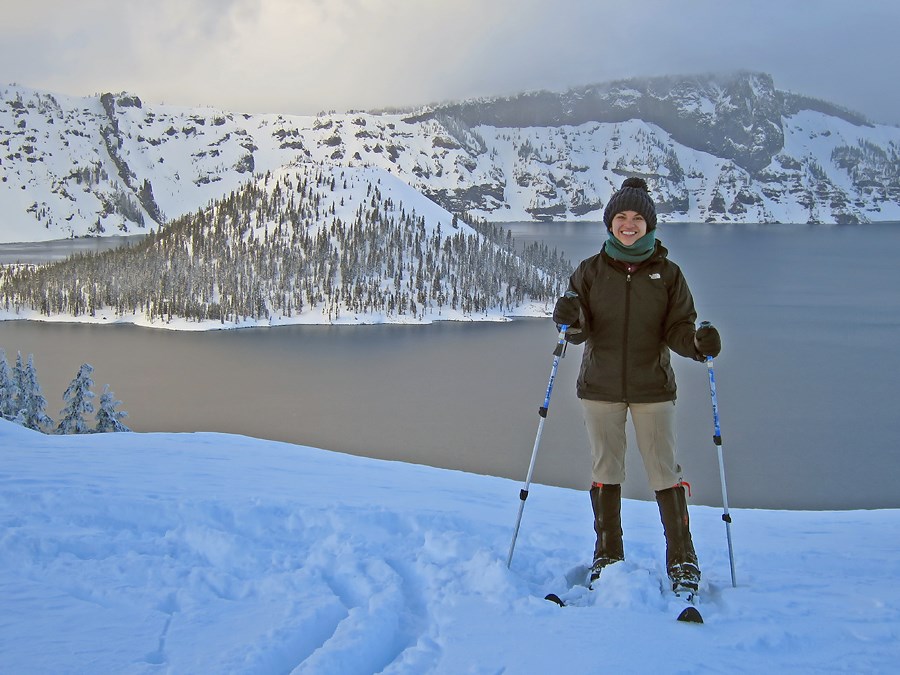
[(59, 249), (807, 380)]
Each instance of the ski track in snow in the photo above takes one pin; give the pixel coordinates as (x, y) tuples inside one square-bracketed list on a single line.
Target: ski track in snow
[(187, 553)]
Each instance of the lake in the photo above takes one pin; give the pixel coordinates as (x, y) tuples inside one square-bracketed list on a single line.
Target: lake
[(60, 249), (807, 380)]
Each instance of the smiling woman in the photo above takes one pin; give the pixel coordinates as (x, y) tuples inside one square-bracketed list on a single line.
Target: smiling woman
[(630, 217), (628, 227), (631, 307)]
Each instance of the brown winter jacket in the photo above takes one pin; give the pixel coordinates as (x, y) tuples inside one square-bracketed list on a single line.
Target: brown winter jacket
[(629, 322)]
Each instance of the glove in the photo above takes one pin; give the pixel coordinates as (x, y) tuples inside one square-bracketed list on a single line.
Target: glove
[(567, 310), (707, 340)]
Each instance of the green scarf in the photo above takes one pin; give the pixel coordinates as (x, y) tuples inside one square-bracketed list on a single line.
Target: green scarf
[(639, 251)]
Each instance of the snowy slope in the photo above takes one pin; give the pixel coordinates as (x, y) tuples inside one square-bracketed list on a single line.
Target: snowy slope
[(148, 553)]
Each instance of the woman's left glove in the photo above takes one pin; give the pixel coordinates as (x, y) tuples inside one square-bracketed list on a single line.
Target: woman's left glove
[(707, 340)]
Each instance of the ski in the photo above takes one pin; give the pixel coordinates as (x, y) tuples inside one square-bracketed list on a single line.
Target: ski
[(688, 595), (577, 579), (689, 614)]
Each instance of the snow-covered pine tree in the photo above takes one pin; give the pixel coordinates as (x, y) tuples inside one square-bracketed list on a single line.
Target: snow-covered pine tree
[(33, 413), (78, 397), (19, 378), (8, 389), (107, 415)]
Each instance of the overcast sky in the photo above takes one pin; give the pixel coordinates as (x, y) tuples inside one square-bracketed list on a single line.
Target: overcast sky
[(304, 56)]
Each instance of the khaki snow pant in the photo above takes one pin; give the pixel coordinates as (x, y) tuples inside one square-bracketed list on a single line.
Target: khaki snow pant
[(654, 428)]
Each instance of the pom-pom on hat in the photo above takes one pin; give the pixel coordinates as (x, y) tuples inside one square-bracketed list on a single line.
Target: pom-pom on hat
[(632, 196)]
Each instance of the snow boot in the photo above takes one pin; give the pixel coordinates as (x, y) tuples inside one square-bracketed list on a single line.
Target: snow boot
[(681, 560), (606, 501)]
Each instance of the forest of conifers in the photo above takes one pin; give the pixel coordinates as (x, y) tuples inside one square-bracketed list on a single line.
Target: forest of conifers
[(276, 248)]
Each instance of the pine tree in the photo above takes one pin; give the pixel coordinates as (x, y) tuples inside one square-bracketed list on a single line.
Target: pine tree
[(33, 413), (78, 397), (8, 389), (107, 416), (20, 402)]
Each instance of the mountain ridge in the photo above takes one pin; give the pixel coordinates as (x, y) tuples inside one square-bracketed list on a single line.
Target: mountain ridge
[(714, 148)]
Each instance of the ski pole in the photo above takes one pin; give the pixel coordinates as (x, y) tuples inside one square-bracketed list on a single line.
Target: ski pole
[(558, 353), (717, 439)]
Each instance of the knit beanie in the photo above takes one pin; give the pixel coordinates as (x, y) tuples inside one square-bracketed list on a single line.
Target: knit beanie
[(632, 196)]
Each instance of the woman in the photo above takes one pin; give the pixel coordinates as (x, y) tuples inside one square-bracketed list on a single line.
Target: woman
[(630, 305)]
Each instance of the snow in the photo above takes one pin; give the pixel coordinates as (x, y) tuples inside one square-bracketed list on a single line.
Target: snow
[(191, 156), (352, 191), (187, 553)]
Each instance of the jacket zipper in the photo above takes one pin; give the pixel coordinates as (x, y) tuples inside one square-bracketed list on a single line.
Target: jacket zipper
[(625, 338)]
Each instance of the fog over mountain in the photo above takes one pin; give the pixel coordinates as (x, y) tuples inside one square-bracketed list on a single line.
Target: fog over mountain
[(303, 56)]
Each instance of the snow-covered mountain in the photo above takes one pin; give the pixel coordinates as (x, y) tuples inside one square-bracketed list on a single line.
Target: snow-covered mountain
[(713, 148)]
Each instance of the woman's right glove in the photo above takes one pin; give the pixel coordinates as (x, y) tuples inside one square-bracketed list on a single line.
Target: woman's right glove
[(707, 340), (567, 310)]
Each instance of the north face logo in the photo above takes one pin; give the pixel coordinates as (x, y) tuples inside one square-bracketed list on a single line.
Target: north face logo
[(655, 275)]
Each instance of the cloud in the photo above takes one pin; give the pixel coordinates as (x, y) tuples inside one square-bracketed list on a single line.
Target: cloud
[(302, 56)]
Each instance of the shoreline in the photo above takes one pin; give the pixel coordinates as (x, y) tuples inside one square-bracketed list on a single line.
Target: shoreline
[(535, 310)]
